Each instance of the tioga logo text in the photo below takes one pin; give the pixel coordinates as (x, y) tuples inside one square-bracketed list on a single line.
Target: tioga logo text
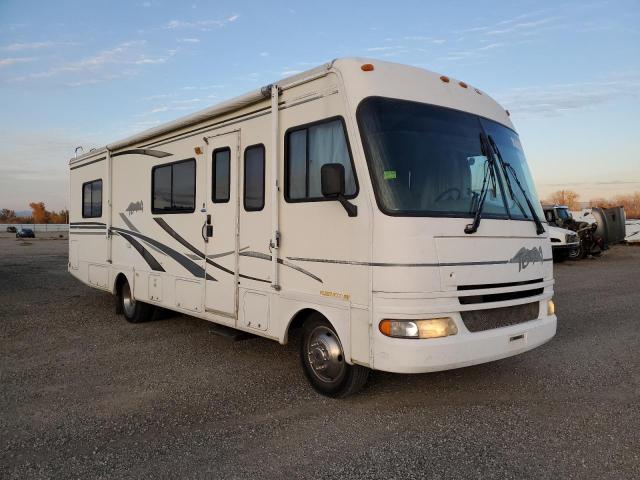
[(525, 256)]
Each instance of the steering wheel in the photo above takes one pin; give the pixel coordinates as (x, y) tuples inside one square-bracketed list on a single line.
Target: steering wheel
[(449, 191)]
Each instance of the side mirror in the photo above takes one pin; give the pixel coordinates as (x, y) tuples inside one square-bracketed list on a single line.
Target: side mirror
[(332, 179), (332, 186)]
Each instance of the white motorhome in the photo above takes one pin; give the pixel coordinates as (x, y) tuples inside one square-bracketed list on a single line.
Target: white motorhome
[(384, 211)]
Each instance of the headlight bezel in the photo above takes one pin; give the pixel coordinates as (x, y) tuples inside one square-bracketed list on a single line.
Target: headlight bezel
[(418, 329)]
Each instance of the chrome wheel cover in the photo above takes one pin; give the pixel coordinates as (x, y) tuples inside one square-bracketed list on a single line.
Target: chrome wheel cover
[(128, 302), (325, 355)]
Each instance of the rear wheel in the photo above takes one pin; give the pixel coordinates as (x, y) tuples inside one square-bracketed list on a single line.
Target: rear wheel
[(133, 310), (323, 361)]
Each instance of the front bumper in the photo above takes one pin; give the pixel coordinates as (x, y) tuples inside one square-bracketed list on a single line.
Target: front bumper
[(564, 251), (466, 348)]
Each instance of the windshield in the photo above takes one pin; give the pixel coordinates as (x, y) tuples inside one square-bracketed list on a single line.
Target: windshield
[(428, 160), (563, 213)]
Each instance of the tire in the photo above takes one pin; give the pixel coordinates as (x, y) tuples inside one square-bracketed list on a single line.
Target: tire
[(323, 361), (134, 311), (578, 253)]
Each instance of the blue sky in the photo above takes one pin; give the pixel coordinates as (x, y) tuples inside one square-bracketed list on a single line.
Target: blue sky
[(87, 73)]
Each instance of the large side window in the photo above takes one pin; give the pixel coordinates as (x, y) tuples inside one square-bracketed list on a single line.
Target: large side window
[(92, 199), (308, 147), (254, 178), (173, 187), (221, 175)]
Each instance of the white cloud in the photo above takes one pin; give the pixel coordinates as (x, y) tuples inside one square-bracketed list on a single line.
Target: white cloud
[(105, 65), (189, 40), (5, 62), (558, 99), (203, 25), (16, 47), (264, 54)]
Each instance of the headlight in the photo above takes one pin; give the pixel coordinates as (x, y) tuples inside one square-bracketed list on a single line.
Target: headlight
[(427, 328), (551, 307)]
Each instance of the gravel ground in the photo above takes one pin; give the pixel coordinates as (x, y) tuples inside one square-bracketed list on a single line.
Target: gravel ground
[(85, 394)]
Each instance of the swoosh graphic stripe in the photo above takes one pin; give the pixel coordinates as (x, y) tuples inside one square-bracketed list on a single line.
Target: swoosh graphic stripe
[(264, 256), (193, 268), (143, 151), (128, 223), (165, 226), (151, 261), (385, 264)]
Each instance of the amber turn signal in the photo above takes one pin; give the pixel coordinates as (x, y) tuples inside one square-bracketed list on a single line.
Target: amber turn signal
[(367, 67)]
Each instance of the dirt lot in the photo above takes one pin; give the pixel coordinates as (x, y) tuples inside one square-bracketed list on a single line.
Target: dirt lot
[(85, 394)]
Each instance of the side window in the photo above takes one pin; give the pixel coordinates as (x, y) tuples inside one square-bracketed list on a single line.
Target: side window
[(254, 178), (173, 188), (308, 148), (221, 175), (92, 199)]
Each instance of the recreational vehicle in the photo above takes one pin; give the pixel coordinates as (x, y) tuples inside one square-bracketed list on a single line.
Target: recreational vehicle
[(383, 212)]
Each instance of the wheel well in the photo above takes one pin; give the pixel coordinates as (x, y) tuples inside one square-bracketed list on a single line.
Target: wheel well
[(120, 279), (298, 320)]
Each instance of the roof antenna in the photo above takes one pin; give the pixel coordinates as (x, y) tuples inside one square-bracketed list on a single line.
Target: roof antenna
[(79, 148)]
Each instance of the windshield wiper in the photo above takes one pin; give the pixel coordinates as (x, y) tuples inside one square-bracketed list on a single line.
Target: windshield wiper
[(507, 168), (489, 174)]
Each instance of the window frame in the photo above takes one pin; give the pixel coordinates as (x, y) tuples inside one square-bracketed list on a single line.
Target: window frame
[(156, 211), (91, 182), (213, 175), (306, 126), (244, 176)]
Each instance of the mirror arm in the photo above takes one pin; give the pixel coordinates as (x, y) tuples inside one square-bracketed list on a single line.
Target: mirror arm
[(352, 210)]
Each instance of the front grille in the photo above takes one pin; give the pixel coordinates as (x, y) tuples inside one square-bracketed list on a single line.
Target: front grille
[(499, 297), (480, 320)]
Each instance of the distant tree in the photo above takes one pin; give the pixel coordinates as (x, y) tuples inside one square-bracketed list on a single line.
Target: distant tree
[(7, 216), (59, 217), (39, 212), (565, 197), (631, 203)]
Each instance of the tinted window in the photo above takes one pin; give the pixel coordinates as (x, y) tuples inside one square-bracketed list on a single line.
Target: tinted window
[(86, 200), (162, 188), (174, 187), (308, 149), (92, 199), (221, 175), (254, 178), (183, 196), (427, 160)]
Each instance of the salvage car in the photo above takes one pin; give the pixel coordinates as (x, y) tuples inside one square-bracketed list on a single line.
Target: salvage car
[(564, 243)]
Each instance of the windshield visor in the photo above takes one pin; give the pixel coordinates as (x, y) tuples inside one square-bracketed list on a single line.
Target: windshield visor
[(428, 160)]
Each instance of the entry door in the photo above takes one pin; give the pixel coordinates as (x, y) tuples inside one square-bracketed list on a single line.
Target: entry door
[(222, 157)]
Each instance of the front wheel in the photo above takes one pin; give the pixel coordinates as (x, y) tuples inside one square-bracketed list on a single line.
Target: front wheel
[(323, 361), (133, 310)]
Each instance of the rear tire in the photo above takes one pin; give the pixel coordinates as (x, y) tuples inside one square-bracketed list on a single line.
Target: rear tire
[(323, 362), (134, 311)]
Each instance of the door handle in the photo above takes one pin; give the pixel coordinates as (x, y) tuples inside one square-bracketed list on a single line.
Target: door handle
[(204, 232)]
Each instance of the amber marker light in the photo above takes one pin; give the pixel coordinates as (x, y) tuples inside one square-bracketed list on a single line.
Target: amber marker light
[(444, 78), (463, 85), (551, 307), (367, 67)]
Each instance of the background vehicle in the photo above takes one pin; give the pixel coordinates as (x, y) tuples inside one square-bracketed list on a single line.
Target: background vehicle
[(386, 212), (25, 233), (590, 242), (564, 243), (11, 229)]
